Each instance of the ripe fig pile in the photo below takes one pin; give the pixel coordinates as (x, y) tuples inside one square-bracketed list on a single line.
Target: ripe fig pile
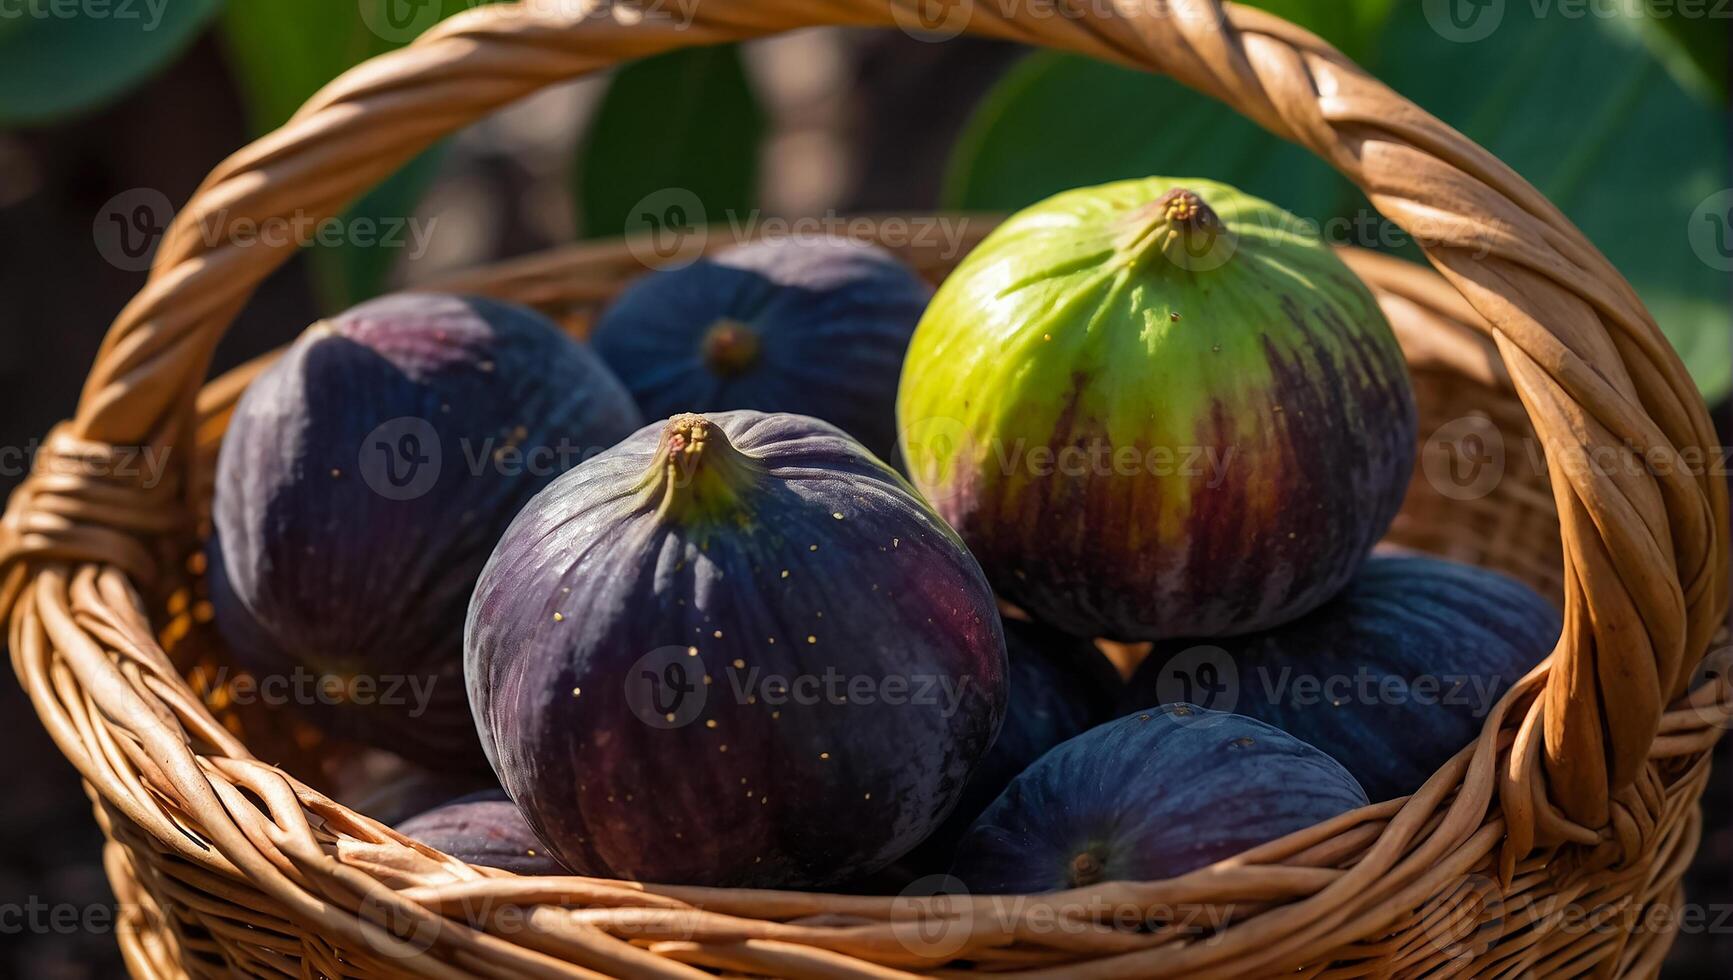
[(1153, 795), (735, 647), (1393, 676), (361, 486)]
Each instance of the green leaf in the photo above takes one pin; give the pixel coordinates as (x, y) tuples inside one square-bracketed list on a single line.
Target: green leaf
[(1694, 48), (284, 51), (53, 65), (351, 272), (1352, 26), (1061, 121), (684, 123), (1583, 110)]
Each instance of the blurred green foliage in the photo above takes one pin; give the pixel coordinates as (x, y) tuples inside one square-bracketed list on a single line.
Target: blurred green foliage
[(1588, 109), (1615, 117), (53, 65), (284, 51), (686, 119)]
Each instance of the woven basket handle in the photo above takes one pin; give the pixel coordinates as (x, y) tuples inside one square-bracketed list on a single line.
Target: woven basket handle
[(1645, 535)]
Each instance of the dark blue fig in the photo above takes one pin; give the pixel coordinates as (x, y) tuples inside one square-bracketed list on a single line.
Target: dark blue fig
[(393, 797), (734, 650), (483, 828), (1152, 795), (813, 327), (1393, 677), (1061, 686), (364, 480)]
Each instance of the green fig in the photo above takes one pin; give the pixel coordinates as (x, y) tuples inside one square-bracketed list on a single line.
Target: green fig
[(1159, 408)]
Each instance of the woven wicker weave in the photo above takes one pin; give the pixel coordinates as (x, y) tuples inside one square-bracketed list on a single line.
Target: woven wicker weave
[(1552, 847)]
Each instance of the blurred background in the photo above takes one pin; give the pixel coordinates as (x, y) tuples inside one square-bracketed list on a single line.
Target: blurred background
[(112, 111)]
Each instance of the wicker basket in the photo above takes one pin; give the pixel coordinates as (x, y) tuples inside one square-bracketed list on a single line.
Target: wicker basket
[(1553, 846)]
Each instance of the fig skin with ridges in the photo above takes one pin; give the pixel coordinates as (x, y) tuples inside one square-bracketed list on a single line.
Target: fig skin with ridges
[(807, 326), (625, 645), (1153, 795), (1159, 408), (483, 828), (1060, 687), (1392, 678), (362, 483)]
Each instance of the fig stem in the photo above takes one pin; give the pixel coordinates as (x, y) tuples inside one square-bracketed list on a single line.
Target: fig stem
[(730, 348), (697, 475), (1177, 225), (1086, 869)]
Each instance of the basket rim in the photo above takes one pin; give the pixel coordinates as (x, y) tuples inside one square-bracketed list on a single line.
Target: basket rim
[(1570, 760)]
